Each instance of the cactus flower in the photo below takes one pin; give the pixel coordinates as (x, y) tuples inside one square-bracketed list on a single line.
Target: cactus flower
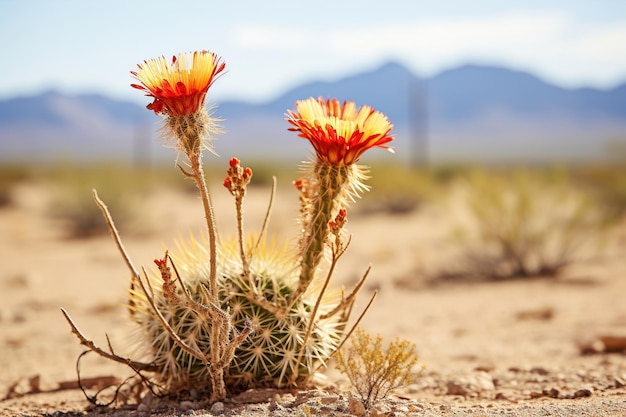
[(340, 134), (180, 86)]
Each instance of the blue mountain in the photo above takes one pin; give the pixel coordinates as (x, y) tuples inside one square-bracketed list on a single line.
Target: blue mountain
[(469, 112)]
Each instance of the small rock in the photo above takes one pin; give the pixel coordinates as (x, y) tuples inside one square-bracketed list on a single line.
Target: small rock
[(148, 399), (356, 407), (483, 381), (591, 348), (254, 396), (187, 405), (552, 393), (584, 392), (615, 344), (475, 382), (217, 408), (501, 396), (454, 388), (143, 409), (539, 371)]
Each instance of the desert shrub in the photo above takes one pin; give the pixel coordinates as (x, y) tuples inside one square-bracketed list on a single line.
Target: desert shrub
[(10, 176), (374, 371), (608, 183), (527, 223), (398, 189), (73, 203), (6, 193)]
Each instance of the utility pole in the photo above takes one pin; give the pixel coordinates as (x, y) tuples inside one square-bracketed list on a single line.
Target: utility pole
[(418, 122)]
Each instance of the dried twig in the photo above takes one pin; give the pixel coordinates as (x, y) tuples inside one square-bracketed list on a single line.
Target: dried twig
[(349, 299), (112, 356), (120, 246)]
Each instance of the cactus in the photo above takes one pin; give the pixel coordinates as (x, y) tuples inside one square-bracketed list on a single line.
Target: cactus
[(223, 317), (268, 356)]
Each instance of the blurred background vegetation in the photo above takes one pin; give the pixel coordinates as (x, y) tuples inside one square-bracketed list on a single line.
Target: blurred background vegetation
[(510, 211)]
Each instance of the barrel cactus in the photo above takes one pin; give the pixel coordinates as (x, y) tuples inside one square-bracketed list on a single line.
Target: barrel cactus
[(285, 348)]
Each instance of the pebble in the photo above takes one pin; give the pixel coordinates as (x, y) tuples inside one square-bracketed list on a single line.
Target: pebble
[(584, 392), (217, 408), (454, 388), (148, 399), (474, 383), (187, 405), (553, 393), (356, 407)]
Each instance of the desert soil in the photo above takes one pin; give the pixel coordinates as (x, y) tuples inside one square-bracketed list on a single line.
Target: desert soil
[(488, 348)]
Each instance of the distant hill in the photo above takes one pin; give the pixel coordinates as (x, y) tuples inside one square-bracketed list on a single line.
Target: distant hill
[(53, 125), (470, 112)]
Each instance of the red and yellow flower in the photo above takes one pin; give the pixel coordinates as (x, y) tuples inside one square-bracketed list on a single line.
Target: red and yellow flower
[(179, 86), (339, 133)]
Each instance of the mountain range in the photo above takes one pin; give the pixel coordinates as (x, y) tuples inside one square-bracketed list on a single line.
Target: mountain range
[(468, 113)]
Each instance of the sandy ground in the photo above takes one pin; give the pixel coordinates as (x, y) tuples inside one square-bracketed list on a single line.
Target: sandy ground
[(491, 348)]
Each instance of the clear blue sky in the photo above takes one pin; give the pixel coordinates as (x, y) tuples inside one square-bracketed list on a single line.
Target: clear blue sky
[(269, 46)]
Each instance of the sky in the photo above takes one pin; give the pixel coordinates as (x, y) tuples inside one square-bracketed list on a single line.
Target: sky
[(270, 46)]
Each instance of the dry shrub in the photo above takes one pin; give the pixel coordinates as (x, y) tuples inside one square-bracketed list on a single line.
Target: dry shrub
[(528, 224), (6, 194), (398, 189), (73, 205), (374, 371), (10, 177), (608, 183)]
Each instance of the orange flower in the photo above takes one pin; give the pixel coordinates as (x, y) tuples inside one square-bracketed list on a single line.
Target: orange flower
[(339, 133), (180, 86)]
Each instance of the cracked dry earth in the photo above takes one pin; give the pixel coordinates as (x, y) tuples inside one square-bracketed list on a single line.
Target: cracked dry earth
[(541, 347)]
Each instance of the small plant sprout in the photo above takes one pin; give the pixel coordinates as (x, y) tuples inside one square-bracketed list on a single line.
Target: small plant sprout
[(222, 315), (374, 371)]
